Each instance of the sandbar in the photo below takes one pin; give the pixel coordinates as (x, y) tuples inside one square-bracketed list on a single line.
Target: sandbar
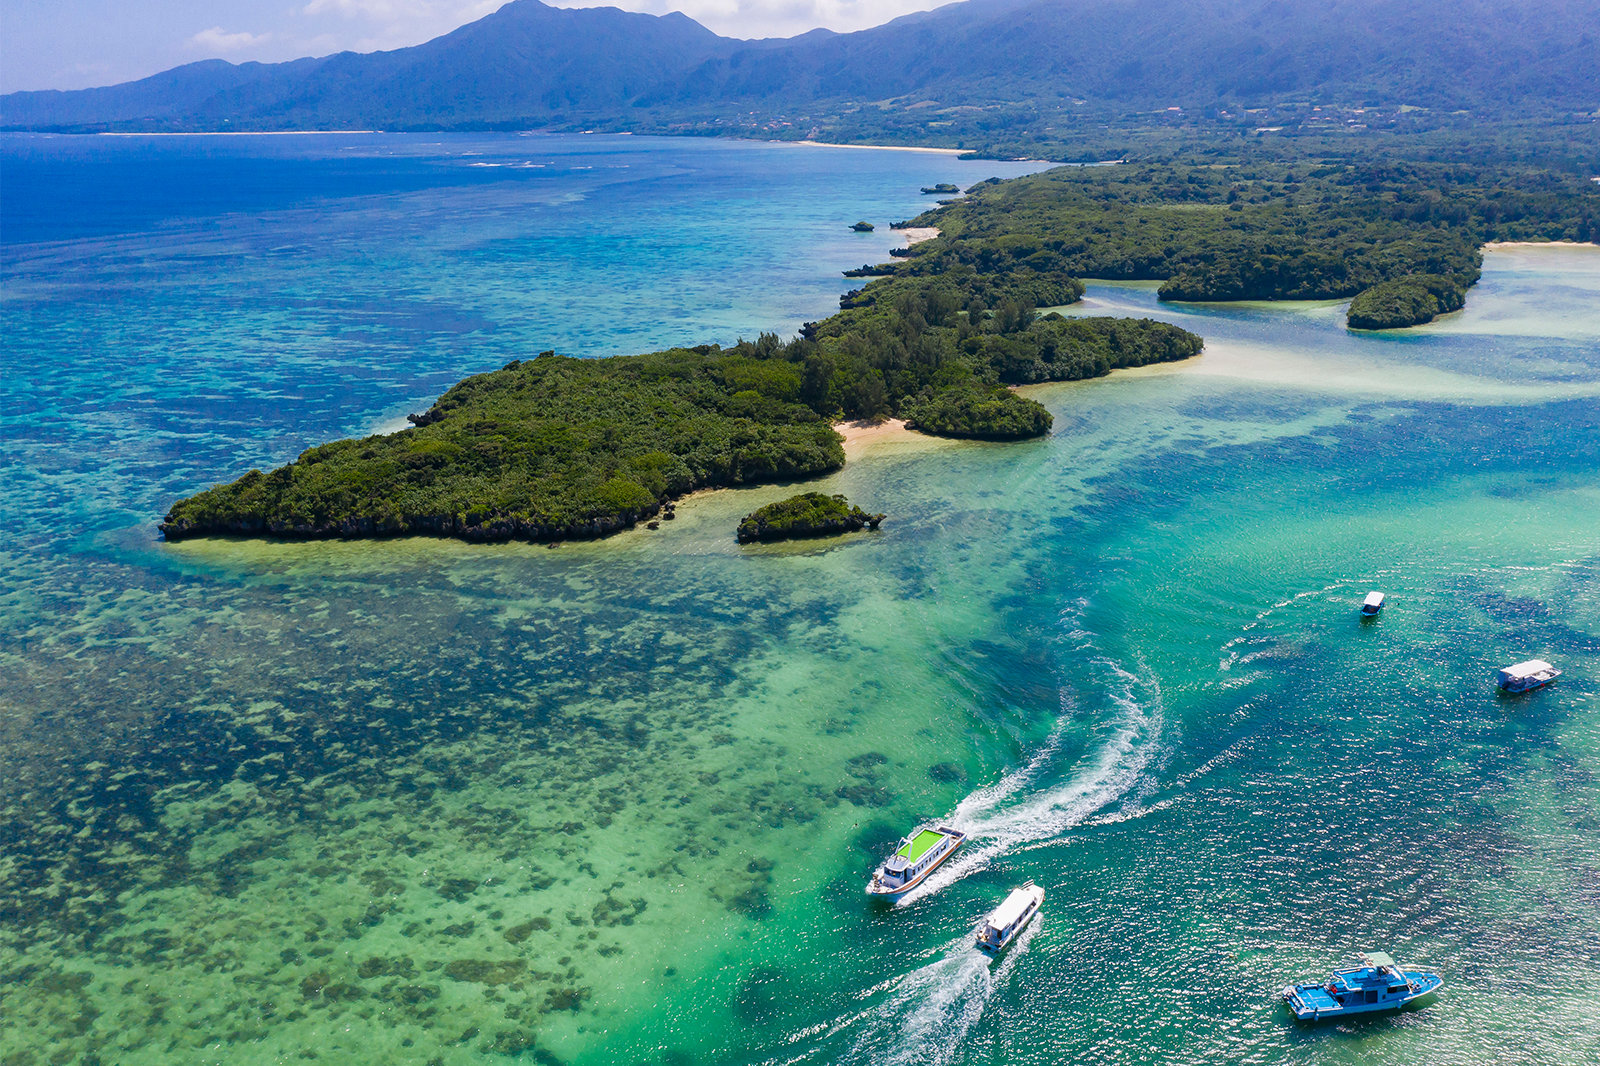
[(886, 147), (1494, 245)]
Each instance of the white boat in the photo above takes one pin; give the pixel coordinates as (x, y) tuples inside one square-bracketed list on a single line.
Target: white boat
[(915, 858), (1372, 604), (1524, 677), (1009, 919)]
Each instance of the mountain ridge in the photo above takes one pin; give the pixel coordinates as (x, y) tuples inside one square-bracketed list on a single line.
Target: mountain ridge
[(528, 65)]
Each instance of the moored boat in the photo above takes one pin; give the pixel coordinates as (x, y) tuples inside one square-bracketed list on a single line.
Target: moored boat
[(1372, 604), (1370, 983), (916, 857), (1010, 918), (1525, 677)]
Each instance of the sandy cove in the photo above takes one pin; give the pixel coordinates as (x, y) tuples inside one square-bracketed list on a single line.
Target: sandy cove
[(918, 234), (867, 433)]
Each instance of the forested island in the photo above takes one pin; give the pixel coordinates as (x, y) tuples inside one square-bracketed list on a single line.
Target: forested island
[(1407, 301), (810, 514), (1402, 237), (555, 448)]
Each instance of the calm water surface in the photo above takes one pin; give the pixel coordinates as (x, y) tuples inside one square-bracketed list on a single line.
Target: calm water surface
[(428, 802)]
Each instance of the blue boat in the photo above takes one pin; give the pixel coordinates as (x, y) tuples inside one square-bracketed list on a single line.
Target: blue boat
[(1372, 605), (1370, 983)]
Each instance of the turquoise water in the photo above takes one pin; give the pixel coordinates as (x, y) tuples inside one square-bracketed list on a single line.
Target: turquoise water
[(429, 802)]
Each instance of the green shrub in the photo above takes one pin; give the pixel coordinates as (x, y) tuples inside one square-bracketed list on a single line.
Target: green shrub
[(984, 413), (810, 514), (1409, 301)]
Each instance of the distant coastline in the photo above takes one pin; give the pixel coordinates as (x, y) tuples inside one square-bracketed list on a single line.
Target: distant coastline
[(236, 133)]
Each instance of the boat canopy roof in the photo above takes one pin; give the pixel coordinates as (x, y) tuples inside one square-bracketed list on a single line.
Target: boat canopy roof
[(1374, 599), (1377, 959), (1013, 908), (920, 844), (1528, 669)]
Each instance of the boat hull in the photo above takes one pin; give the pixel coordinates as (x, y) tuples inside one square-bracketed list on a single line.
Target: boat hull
[(1533, 687), (1305, 1010)]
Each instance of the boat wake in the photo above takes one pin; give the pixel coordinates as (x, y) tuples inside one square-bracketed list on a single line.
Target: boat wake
[(927, 1018), (1014, 814), (926, 1015)]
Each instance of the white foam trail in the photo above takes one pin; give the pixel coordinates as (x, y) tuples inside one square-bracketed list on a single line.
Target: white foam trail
[(1007, 816), (926, 1020), (928, 1012)]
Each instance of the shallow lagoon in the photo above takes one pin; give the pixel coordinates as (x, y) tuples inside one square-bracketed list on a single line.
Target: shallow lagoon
[(613, 803)]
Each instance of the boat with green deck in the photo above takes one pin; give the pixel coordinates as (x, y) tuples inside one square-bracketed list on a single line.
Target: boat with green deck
[(916, 857)]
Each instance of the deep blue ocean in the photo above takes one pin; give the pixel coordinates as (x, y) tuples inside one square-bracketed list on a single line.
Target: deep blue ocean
[(419, 801)]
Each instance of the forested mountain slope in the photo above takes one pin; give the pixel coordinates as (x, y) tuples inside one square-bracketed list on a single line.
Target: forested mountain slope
[(528, 65), (523, 62), (1472, 54)]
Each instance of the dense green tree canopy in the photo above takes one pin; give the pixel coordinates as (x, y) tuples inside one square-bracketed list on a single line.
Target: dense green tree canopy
[(1408, 301), (546, 448), (1269, 231)]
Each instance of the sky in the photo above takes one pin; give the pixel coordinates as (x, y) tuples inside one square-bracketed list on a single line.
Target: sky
[(75, 44)]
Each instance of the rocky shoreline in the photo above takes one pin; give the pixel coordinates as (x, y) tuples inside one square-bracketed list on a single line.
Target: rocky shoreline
[(477, 529)]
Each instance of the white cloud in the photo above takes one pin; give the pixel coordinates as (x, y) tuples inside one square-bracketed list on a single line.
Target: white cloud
[(423, 15), (377, 25), (217, 40), (397, 22), (765, 18)]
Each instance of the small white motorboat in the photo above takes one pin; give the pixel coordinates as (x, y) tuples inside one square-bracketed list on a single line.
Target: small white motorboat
[(1001, 928), (1372, 604), (1525, 677)]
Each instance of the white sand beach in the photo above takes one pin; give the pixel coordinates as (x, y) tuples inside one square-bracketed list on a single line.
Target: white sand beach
[(862, 435), (886, 147), (1494, 245)]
